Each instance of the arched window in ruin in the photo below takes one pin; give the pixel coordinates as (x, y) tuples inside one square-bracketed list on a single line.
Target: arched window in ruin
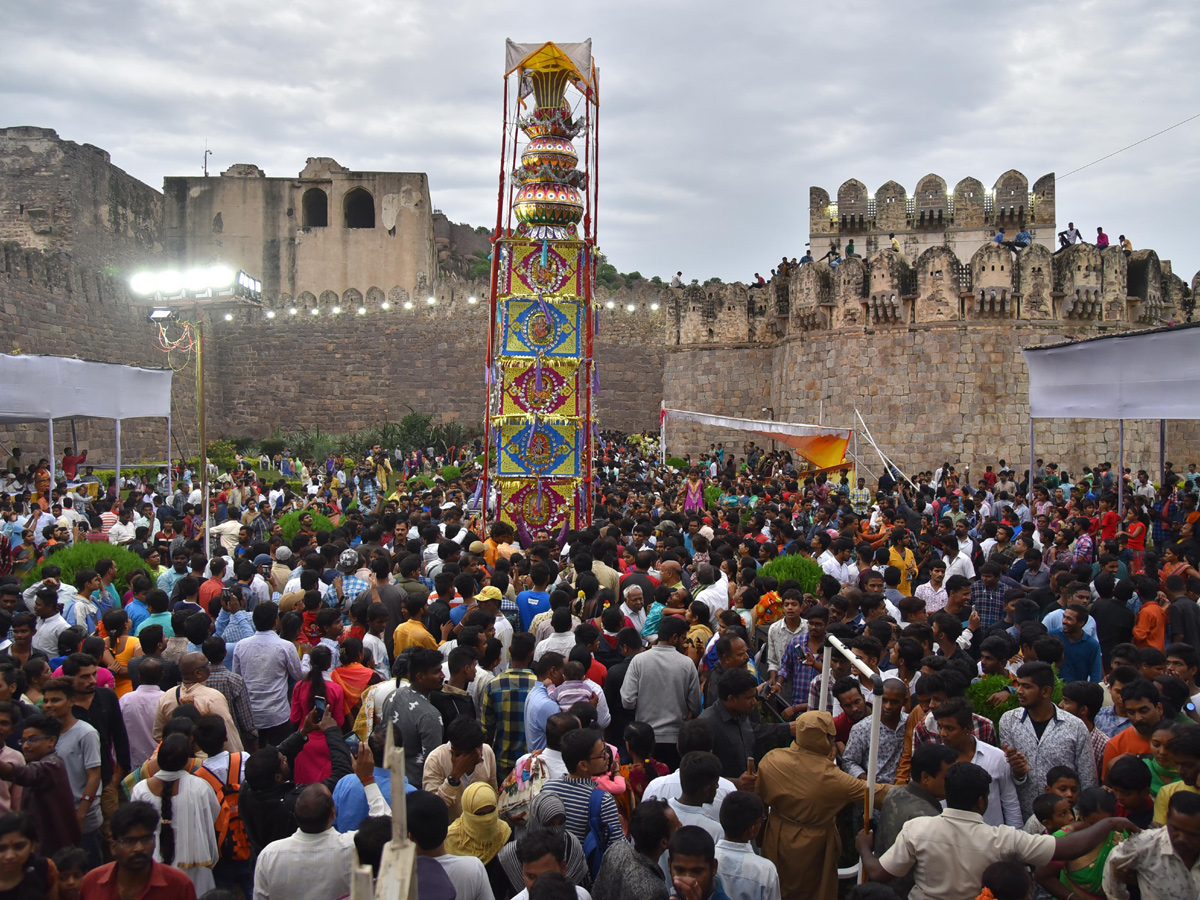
[(359, 209), (315, 204)]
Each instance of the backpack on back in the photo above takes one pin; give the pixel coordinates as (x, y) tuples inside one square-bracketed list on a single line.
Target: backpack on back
[(232, 840)]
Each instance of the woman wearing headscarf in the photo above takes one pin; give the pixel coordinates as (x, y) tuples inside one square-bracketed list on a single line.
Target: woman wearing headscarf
[(805, 790), (479, 832), (546, 813)]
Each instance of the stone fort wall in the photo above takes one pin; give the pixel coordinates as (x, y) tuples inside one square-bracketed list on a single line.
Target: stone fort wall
[(928, 353), (74, 227)]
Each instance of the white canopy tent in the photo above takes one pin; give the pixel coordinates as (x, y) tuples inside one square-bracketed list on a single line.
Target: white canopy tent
[(1140, 375), (45, 388)]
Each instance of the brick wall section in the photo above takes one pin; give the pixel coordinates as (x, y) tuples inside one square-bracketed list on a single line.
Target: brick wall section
[(345, 372), (727, 380), (50, 305)]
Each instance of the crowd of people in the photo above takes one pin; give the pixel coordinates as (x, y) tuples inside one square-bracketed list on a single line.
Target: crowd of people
[(631, 709)]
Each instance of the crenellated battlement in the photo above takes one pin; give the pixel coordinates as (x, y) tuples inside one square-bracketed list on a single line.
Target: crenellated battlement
[(934, 214)]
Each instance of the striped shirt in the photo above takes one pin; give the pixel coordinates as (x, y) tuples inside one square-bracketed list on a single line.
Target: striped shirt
[(576, 794)]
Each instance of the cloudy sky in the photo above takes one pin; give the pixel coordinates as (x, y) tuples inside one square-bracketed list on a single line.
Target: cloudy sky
[(716, 117)]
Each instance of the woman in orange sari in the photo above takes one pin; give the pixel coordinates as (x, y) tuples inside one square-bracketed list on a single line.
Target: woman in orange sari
[(352, 676), (1174, 564)]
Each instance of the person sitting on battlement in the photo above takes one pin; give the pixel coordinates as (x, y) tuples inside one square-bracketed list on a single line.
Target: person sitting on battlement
[(1020, 242), (1101, 239), (806, 258), (1068, 237), (850, 250), (895, 243)]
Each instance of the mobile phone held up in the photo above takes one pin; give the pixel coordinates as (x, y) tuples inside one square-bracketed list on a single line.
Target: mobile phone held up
[(319, 705)]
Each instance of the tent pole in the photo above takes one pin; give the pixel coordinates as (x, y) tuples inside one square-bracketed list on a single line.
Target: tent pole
[(1121, 468), (74, 438), (170, 475), (1162, 451), (50, 440), (873, 755), (826, 660), (1032, 458), (118, 472), (662, 433)]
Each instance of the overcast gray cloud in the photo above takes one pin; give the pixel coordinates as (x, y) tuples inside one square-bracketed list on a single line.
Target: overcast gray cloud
[(716, 117)]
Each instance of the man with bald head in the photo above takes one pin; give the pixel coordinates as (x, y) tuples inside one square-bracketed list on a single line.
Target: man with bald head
[(670, 573), (314, 863), (208, 702)]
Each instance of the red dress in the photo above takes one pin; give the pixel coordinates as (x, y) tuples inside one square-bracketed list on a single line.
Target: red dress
[(313, 763)]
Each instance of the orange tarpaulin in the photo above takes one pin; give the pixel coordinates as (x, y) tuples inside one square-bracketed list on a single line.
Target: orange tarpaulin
[(824, 447)]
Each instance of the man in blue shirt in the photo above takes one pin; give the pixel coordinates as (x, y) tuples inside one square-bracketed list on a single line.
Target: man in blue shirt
[(532, 602), (1081, 652), (539, 705)]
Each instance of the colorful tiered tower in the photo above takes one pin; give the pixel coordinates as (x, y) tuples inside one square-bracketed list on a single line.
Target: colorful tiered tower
[(540, 371)]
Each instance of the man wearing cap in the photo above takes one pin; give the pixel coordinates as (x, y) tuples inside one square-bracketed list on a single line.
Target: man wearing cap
[(281, 568), (346, 586), (489, 600)]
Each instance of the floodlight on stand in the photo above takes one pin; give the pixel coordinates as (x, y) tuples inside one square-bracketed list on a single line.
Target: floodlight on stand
[(168, 283), (143, 283)]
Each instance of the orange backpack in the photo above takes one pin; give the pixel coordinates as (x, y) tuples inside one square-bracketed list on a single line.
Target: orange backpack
[(232, 840)]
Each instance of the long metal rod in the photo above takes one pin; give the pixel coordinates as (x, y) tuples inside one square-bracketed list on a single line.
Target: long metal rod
[(118, 466), (1121, 468), (1032, 461), (200, 427), (1162, 451), (826, 660), (50, 441), (170, 471)]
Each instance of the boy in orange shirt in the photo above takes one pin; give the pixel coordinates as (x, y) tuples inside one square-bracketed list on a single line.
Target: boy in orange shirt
[(1150, 630)]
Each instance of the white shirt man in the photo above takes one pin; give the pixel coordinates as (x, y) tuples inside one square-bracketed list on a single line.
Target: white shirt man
[(312, 866), (745, 874), (667, 787), (122, 533)]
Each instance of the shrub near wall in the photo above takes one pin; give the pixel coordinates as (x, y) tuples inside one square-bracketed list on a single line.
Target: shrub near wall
[(84, 556)]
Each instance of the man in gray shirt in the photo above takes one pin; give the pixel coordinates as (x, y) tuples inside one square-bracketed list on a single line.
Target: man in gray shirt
[(663, 688), (409, 708), (79, 747)]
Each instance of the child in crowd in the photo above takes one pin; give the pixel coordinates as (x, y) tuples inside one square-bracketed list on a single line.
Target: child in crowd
[(1006, 881), (310, 633), (1050, 813), (642, 768), (1082, 877), (72, 864), (1130, 781), (1063, 780), (574, 688)]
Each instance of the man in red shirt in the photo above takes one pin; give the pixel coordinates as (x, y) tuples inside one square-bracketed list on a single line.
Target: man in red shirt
[(213, 586), (1150, 629), (70, 464), (134, 872)]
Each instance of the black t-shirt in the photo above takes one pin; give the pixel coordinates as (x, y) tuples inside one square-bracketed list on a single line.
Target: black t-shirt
[(1114, 625), (1039, 728)]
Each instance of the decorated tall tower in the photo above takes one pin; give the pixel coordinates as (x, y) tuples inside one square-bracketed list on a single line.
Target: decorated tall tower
[(540, 373)]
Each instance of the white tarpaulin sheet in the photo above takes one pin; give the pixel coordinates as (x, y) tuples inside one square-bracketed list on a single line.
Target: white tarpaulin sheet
[(820, 445), (1152, 375), (37, 388)]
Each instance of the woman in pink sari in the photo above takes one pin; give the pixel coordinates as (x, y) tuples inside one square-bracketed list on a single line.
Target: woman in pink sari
[(313, 763)]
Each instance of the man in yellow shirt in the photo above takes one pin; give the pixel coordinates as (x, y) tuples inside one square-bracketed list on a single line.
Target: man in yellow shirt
[(904, 560), (412, 632)]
